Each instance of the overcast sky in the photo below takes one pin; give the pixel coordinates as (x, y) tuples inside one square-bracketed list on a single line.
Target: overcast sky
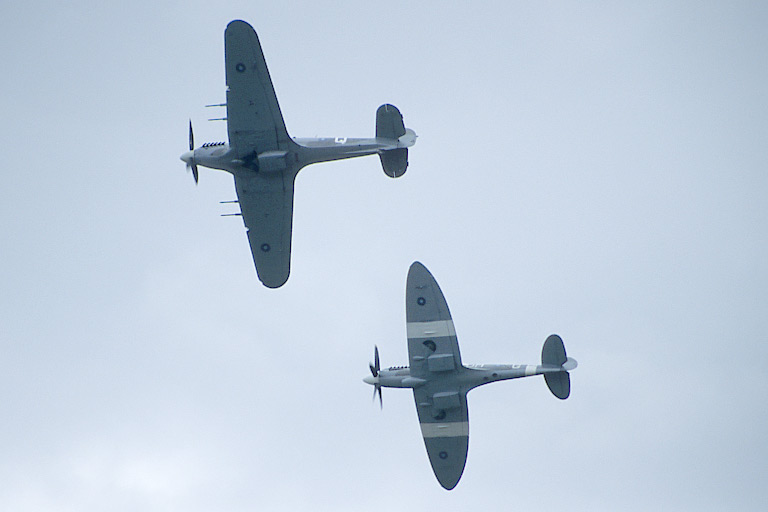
[(593, 169)]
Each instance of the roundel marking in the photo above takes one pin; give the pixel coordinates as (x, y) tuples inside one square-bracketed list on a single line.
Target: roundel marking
[(443, 455), (265, 247), (421, 301), (240, 67)]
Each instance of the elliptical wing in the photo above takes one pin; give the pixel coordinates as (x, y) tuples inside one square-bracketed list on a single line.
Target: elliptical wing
[(433, 351)]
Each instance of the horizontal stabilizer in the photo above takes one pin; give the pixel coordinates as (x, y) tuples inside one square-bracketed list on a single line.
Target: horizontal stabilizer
[(553, 354), (559, 384), (389, 123), (394, 162)]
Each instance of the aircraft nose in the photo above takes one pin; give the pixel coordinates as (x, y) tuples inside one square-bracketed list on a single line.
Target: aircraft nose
[(369, 380), (188, 157)]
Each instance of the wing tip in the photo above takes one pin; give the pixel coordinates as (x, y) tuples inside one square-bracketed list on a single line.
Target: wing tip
[(417, 264), (237, 28), (236, 23), (272, 281), (419, 275)]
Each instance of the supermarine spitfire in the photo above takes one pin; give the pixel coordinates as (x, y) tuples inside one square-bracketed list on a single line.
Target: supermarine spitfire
[(440, 381), (265, 160)]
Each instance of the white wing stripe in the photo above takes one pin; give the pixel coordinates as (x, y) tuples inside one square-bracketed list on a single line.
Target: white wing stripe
[(455, 429), (436, 329)]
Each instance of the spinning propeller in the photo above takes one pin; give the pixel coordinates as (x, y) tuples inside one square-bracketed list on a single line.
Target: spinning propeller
[(191, 162), (375, 372)]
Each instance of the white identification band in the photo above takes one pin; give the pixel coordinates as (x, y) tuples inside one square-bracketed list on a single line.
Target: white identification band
[(436, 329), (455, 429)]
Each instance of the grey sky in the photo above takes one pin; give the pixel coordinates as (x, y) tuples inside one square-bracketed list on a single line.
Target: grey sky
[(594, 169)]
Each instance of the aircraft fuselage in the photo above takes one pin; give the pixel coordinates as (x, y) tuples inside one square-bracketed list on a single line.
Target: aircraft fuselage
[(467, 377), (299, 153)]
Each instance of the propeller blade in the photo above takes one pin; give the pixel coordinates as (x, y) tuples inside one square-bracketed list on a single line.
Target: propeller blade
[(193, 168), (377, 391), (191, 165), (375, 366)]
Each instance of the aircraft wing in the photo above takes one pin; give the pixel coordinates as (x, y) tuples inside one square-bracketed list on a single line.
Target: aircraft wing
[(266, 203), (432, 344), (254, 121), (444, 421), (433, 352)]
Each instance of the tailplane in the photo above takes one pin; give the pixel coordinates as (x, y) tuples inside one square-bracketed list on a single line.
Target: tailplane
[(389, 125), (553, 356)]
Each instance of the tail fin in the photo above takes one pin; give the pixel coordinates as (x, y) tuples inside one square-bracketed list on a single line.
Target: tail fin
[(553, 355), (389, 125)]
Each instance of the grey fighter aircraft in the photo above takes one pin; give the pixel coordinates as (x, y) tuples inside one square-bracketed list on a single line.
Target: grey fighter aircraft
[(265, 160), (440, 381)]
